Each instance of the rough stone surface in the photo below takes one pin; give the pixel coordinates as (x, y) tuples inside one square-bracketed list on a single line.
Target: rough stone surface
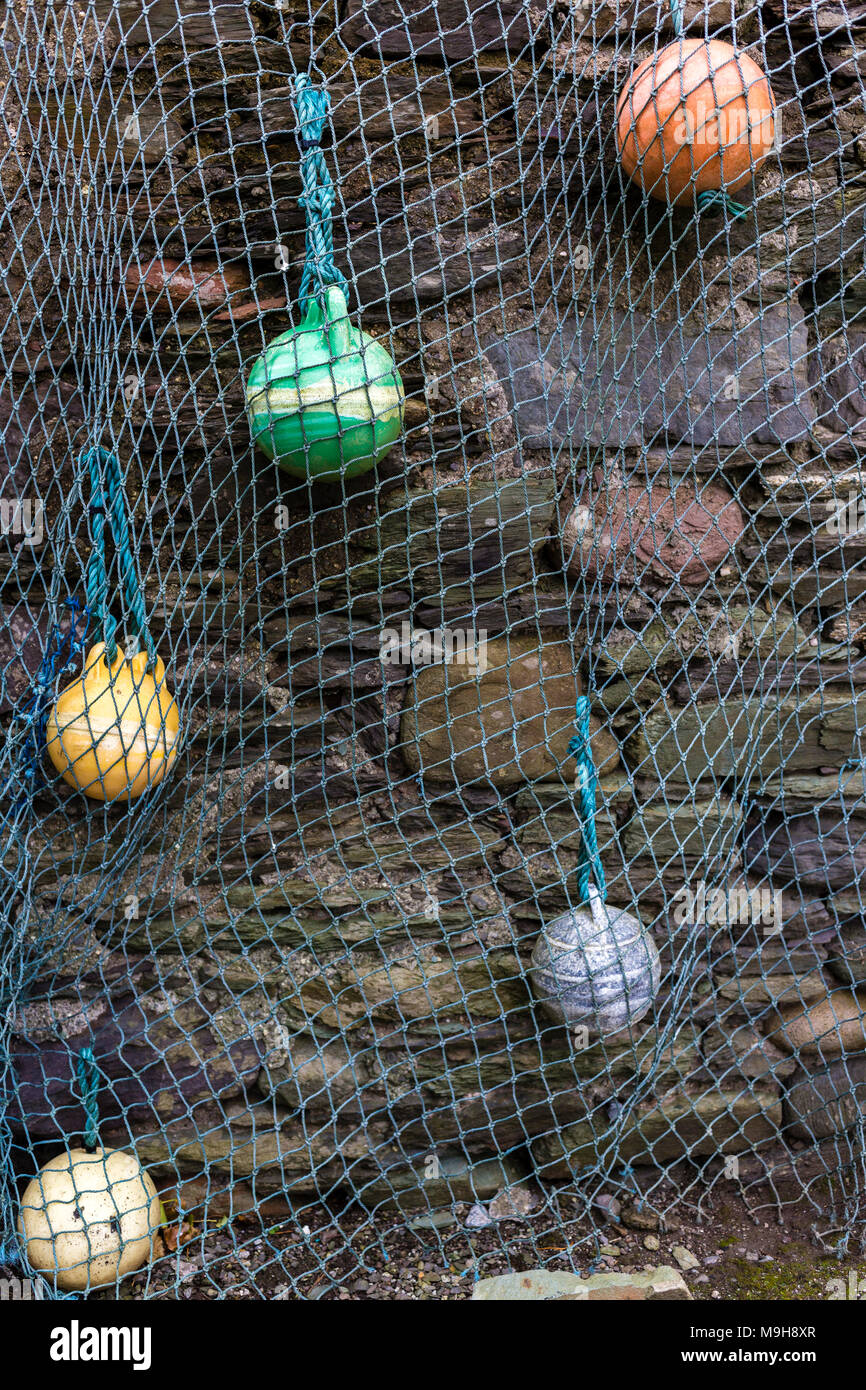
[(627, 531), (509, 724), (821, 1104), (617, 381), (663, 1283), (663, 1131), (847, 958), (834, 1024)]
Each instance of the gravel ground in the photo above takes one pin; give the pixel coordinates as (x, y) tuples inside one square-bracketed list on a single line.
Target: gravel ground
[(731, 1249), (730, 1253)]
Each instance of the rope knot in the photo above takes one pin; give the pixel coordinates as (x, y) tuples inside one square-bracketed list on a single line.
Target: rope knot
[(312, 105)]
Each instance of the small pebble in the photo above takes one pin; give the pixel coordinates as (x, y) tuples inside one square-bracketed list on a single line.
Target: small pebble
[(651, 1243), (609, 1205), (477, 1218), (684, 1258), (640, 1219)]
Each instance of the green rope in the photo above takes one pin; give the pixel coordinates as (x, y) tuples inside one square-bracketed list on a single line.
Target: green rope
[(107, 500), (715, 199), (88, 1084), (312, 105), (579, 748)]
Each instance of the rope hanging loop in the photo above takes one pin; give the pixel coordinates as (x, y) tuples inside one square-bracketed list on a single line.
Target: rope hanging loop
[(114, 731), (326, 400), (594, 967), (695, 122), (88, 1218)]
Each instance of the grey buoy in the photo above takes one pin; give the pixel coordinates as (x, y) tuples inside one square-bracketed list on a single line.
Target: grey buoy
[(596, 965)]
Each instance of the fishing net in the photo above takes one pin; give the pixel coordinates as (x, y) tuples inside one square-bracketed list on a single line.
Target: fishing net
[(295, 976)]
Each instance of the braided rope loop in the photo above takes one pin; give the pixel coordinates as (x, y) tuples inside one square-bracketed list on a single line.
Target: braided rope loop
[(88, 1084), (312, 105), (587, 786), (107, 499)]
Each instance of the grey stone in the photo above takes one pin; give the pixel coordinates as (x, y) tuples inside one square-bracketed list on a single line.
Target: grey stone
[(837, 369), (514, 1203), (541, 1284), (298, 1069), (667, 1129), (425, 1181), (478, 1217), (624, 379), (819, 1105), (847, 959)]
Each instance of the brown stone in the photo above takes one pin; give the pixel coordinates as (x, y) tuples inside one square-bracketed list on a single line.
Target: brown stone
[(509, 723), (628, 531), (831, 1025), (166, 285)]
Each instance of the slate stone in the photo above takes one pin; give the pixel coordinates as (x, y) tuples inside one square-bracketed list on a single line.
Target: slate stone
[(425, 1181), (23, 640), (536, 1285), (449, 31), (818, 848), (508, 723), (822, 1104), (156, 1062), (847, 959), (665, 1130), (837, 369), (627, 379)]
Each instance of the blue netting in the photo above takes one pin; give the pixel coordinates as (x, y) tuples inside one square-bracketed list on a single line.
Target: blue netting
[(628, 411)]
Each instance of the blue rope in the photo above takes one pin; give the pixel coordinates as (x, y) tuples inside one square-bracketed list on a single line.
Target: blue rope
[(60, 658), (713, 200), (88, 1084), (107, 500), (579, 748), (312, 105), (23, 755)]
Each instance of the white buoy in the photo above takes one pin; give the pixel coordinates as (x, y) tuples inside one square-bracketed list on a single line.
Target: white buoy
[(89, 1219), (596, 966)]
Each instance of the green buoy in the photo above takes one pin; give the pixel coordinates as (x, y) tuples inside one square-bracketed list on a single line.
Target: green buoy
[(325, 400)]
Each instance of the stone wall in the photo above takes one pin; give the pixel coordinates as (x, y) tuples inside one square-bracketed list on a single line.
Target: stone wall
[(302, 966)]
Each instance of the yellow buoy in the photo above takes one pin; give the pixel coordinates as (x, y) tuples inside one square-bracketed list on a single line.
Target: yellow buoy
[(114, 731), (88, 1219)]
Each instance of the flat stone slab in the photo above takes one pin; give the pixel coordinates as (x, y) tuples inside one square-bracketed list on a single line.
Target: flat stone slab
[(624, 379), (543, 1284)]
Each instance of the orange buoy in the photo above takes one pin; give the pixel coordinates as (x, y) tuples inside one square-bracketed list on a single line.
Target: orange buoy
[(697, 117), (115, 730)]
